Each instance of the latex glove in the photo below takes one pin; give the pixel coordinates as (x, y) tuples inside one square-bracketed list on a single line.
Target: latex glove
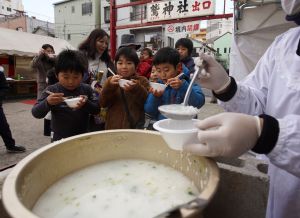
[(226, 134), (216, 77)]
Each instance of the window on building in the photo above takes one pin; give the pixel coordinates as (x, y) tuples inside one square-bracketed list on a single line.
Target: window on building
[(145, 12), (138, 11), (8, 9), (73, 9), (107, 14), (218, 50), (69, 36), (170, 41), (225, 50), (87, 8), (229, 50)]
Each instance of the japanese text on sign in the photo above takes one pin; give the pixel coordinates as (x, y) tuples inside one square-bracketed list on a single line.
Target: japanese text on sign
[(190, 27), (173, 9)]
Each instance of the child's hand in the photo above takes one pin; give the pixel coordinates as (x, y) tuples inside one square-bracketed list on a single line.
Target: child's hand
[(115, 79), (175, 83), (130, 86), (156, 93), (81, 102), (98, 89), (55, 98)]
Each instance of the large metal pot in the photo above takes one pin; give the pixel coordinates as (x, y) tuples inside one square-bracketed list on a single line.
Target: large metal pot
[(39, 170)]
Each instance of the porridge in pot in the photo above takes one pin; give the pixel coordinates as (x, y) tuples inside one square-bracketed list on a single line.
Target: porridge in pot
[(121, 188)]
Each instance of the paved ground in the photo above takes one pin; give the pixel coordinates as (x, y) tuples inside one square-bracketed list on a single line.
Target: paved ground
[(28, 131)]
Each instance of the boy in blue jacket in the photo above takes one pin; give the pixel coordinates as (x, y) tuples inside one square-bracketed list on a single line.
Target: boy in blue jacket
[(168, 66)]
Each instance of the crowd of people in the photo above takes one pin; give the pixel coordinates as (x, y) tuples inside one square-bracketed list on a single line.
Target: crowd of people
[(91, 73), (263, 111)]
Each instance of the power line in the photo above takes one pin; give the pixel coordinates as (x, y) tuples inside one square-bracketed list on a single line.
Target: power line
[(39, 14)]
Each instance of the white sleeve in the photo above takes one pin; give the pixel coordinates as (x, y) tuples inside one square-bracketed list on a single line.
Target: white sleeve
[(251, 95), (286, 153)]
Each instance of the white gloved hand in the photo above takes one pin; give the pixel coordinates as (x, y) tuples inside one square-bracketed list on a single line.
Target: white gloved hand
[(226, 134), (217, 79)]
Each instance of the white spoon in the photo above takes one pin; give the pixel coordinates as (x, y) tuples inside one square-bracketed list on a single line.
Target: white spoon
[(111, 71)]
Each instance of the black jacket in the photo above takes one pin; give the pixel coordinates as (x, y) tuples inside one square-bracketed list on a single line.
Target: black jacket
[(66, 122), (3, 86)]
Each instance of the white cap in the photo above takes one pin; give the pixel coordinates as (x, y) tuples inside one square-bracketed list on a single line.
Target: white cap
[(1, 69)]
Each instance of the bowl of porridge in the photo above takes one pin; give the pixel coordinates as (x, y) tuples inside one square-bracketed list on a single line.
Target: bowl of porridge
[(177, 133), (72, 102), (118, 173), (158, 86), (125, 82)]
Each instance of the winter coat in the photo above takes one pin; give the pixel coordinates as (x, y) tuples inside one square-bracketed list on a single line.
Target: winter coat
[(273, 88), (173, 96), (65, 121), (96, 65), (110, 97), (190, 64), (144, 68), (42, 64)]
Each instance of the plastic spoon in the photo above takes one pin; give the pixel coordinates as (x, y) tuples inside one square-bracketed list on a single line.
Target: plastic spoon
[(179, 75), (111, 71), (49, 92)]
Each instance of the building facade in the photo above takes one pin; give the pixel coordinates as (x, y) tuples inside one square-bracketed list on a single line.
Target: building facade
[(155, 36), (8, 7), (218, 27), (222, 45), (150, 36), (21, 22), (75, 19)]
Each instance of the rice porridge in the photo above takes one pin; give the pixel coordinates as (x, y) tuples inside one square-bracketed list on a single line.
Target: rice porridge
[(122, 188)]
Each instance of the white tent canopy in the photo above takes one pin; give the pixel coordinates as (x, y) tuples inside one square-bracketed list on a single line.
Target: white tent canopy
[(254, 33), (18, 43)]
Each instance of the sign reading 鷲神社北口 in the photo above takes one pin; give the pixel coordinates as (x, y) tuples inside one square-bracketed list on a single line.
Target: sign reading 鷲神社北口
[(173, 9)]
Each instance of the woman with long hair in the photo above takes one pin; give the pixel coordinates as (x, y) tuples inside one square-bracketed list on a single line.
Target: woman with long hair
[(95, 47)]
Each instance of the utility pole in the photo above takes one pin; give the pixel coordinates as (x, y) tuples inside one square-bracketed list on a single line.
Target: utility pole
[(64, 30), (100, 14)]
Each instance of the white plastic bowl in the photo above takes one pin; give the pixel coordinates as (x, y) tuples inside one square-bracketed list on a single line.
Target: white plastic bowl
[(72, 102), (123, 82), (158, 86), (177, 133)]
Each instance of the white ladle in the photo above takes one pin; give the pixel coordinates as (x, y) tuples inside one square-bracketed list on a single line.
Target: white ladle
[(182, 111)]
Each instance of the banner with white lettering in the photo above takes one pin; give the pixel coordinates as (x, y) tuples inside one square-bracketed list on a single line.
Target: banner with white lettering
[(173, 9)]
